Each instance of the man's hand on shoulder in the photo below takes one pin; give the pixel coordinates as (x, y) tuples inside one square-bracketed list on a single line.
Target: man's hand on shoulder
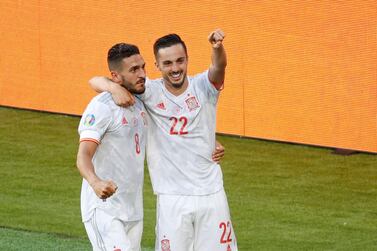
[(121, 95)]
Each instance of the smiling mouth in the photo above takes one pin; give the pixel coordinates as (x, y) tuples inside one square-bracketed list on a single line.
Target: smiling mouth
[(176, 75)]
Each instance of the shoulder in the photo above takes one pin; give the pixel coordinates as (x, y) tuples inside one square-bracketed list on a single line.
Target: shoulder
[(152, 86), (101, 103), (200, 77), (202, 85), (154, 83), (97, 116), (104, 98)]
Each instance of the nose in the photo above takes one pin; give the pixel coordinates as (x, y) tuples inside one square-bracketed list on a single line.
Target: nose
[(175, 67), (142, 73)]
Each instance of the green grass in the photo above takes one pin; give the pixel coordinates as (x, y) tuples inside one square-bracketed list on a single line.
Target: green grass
[(291, 197), (282, 196), (14, 240)]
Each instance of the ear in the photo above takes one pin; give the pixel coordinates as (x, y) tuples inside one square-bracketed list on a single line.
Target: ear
[(115, 77), (157, 66)]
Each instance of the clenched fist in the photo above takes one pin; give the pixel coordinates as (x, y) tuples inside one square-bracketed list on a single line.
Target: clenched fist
[(216, 38), (104, 189)]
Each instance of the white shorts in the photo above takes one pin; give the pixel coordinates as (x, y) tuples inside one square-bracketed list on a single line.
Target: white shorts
[(107, 233), (194, 223)]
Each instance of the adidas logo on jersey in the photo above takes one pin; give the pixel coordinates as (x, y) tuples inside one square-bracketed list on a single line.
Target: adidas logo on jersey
[(124, 121), (161, 106)]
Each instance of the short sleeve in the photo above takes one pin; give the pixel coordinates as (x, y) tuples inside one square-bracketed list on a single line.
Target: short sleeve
[(94, 122), (204, 86)]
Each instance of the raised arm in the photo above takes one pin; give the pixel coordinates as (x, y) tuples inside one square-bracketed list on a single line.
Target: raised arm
[(121, 95), (102, 188), (217, 69)]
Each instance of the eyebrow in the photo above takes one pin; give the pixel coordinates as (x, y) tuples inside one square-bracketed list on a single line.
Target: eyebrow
[(178, 59), (135, 67)]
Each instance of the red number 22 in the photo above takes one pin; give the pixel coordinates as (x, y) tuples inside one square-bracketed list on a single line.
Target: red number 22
[(224, 226), (183, 121)]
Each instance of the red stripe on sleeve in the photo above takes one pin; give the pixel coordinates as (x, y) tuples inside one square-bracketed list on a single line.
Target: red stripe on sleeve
[(89, 139)]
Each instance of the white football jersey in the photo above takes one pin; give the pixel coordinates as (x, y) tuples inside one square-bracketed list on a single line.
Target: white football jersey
[(181, 137), (121, 135)]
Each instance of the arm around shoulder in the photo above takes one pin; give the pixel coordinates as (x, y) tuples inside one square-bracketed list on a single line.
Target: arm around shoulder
[(121, 95), (101, 84)]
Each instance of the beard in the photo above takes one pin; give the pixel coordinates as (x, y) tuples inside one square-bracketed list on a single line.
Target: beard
[(176, 85), (134, 88), (138, 91)]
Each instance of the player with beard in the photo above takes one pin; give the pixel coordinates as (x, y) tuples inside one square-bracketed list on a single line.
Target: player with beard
[(111, 158), (192, 208)]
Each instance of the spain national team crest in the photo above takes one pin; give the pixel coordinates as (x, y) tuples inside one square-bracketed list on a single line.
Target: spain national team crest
[(192, 103), (165, 245)]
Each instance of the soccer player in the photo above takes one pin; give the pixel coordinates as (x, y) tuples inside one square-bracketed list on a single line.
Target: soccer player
[(192, 208), (111, 158)]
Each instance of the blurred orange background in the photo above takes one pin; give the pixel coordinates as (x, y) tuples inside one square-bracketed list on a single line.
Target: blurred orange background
[(298, 71)]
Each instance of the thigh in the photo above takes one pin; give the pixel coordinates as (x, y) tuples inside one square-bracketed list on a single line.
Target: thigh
[(111, 233), (94, 238), (174, 223), (134, 231), (213, 225)]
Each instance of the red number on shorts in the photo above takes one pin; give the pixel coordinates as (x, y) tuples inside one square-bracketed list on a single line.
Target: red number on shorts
[(224, 226), (230, 233), (137, 143), (182, 131)]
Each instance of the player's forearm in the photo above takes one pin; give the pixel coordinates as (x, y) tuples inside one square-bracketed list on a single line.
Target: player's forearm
[(86, 168), (219, 60), (101, 84), (217, 69)]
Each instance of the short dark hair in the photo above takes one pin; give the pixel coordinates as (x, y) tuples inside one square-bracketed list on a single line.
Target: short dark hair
[(167, 41), (118, 52)]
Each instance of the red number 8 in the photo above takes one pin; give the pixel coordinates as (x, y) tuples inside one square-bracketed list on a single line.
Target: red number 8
[(137, 143)]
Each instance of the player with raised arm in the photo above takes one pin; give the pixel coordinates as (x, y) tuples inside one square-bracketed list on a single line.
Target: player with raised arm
[(111, 158), (192, 209)]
